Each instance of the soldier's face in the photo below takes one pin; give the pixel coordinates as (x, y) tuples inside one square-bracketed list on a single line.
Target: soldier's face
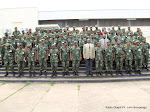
[(42, 42), (53, 37), (20, 47), (98, 45), (128, 43), (53, 47), (144, 40), (19, 37), (76, 44), (137, 43), (82, 36), (30, 47), (45, 37), (108, 43), (65, 44), (61, 35), (74, 28), (12, 37), (15, 29), (8, 47), (118, 42)]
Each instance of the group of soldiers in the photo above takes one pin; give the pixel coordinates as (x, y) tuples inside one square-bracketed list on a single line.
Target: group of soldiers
[(124, 50)]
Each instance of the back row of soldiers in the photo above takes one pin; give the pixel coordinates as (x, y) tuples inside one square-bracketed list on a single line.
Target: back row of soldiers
[(65, 45)]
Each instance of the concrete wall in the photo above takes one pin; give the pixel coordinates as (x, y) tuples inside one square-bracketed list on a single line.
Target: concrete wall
[(18, 17)]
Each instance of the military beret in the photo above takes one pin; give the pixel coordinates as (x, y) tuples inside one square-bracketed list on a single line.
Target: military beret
[(108, 41), (138, 28), (98, 31), (5, 37), (75, 41), (74, 26), (29, 45), (138, 41), (19, 35), (98, 42), (56, 28), (77, 29), (5, 32), (92, 34), (7, 44), (42, 39), (70, 31), (115, 36), (71, 34), (91, 26), (15, 27), (52, 29), (86, 26), (89, 30), (37, 36), (53, 34), (81, 34), (95, 30), (61, 34), (53, 44), (128, 26), (123, 28), (119, 26), (67, 26)]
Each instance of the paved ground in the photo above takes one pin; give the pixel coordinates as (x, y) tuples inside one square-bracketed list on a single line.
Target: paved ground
[(75, 97)]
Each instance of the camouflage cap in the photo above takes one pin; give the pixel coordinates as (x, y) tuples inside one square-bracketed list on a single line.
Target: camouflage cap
[(74, 26), (15, 27), (67, 26), (53, 34), (128, 26), (115, 36), (29, 45), (71, 34), (91, 26), (98, 42), (98, 31), (81, 34), (53, 44), (7, 44), (86, 26), (61, 34), (108, 41), (138, 41), (92, 34)]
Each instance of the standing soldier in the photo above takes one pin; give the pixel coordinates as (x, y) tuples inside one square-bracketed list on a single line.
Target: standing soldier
[(137, 33), (31, 58), (129, 31), (75, 57), (108, 53), (64, 58), (53, 40), (9, 59), (71, 40), (99, 59), (146, 48), (42, 56), (118, 57), (138, 49), (16, 33), (128, 49), (3, 49), (119, 30), (140, 37), (19, 59), (54, 59)]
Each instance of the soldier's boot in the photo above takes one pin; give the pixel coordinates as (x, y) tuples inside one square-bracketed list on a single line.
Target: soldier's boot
[(121, 73), (30, 74), (139, 72), (2, 62), (13, 73), (74, 73), (106, 73), (100, 73), (6, 74), (53, 74), (67, 73), (111, 73), (64, 73), (40, 73), (19, 74), (45, 73), (97, 74), (117, 73), (34, 74), (146, 68), (77, 74), (130, 72)]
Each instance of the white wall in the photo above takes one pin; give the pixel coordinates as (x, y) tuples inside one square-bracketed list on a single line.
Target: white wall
[(18, 17)]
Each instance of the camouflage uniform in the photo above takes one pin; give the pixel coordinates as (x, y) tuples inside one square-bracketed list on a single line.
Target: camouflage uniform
[(54, 59), (16, 34), (65, 56), (75, 58), (42, 55), (99, 59), (20, 60), (81, 43)]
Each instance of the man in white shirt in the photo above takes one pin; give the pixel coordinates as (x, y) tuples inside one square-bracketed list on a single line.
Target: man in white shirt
[(103, 41), (89, 56)]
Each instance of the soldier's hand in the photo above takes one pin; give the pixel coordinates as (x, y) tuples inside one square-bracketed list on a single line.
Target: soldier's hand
[(37, 58), (15, 61), (47, 58), (85, 59), (113, 59), (60, 59), (80, 58), (123, 57), (70, 59)]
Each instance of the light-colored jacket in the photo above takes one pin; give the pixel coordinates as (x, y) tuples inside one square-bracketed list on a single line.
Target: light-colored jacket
[(88, 52)]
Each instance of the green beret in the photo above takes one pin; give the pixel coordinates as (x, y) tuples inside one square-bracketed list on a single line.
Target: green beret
[(61, 33), (92, 34), (74, 26), (56, 28), (53, 34), (52, 29), (123, 28), (29, 45), (7, 44), (42, 40), (108, 41), (71, 34), (19, 35), (115, 36), (53, 44), (15, 27), (5, 37), (119, 26), (91, 26), (60, 28), (128, 26), (138, 41), (45, 35), (98, 42), (81, 34), (86, 26), (89, 30), (67, 26), (138, 28), (98, 31)]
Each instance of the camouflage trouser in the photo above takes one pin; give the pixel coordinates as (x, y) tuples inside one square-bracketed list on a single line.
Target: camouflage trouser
[(109, 65), (65, 65), (138, 64), (54, 66), (2, 56), (145, 60), (43, 64), (31, 66), (119, 63), (99, 65), (20, 66), (75, 65), (9, 63), (128, 64)]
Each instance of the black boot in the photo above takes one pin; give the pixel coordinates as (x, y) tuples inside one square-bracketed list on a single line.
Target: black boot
[(111, 73), (40, 73), (100, 73), (53, 74), (121, 73), (146, 68), (34, 74), (74, 73), (13, 73), (97, 74), (45, 73), (6, 74), (77, 74), (130, 72), (67, 73), (64, 73), (139, 72), (117, 73), (30, 74), (19, 74)]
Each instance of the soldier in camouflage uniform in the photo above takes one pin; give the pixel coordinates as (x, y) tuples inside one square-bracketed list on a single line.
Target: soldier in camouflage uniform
[(16, 33), (71, 40), (54, 41), (137, 33), (138, 50), (128, 49), (146, 48), (20, 40), (9, 59), (140, 37), (20, 59), (75, 57), (64, 58), (31, 58), (54, 59), (108, 53), (3, 49), (42, 56), (129, 31), (118, 57), (119, 30), (99, 59), (61, 40)]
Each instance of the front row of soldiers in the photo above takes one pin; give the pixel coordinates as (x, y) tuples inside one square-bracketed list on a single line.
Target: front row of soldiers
[(133, 56)]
